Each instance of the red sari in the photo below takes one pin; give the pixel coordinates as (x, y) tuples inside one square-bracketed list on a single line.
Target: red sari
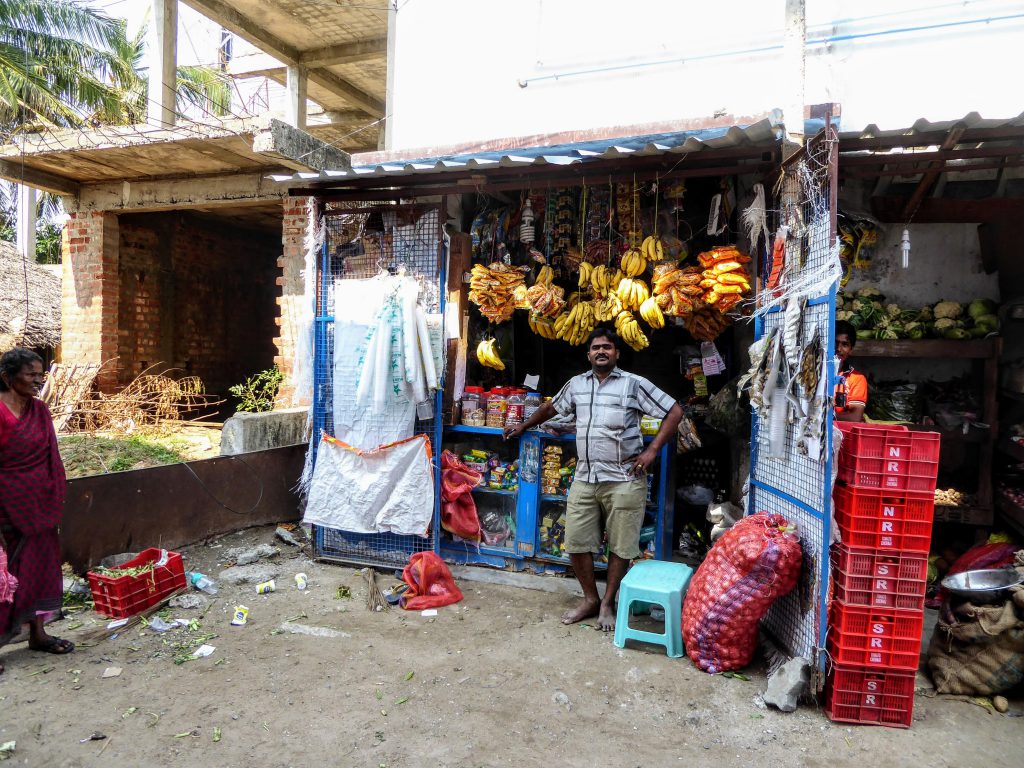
[(32, 486)]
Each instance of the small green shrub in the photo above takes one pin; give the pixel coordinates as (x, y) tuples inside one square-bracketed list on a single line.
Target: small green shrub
[(256, 394)]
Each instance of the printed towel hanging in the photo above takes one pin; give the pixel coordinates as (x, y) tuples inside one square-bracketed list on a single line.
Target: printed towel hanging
[(388, 489)]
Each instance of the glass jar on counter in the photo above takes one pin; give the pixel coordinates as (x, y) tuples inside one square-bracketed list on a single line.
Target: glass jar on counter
[(473, 414), (497, 407), (514, 410), (531, 404)]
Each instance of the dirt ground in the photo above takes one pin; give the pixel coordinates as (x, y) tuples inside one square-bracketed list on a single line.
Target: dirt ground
[(494, 680)]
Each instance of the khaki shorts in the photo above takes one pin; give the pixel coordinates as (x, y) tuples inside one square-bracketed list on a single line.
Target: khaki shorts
[(615, 507)]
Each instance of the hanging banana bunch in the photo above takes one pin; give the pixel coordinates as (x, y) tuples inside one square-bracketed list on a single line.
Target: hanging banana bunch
[(652, 314), (627, 327), (487, 354), (633, 262), (632, 292), (652, 248), (542, 326)]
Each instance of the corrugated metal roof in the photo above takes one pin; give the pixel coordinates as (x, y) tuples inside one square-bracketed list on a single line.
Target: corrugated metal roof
[(762, 132), (971, 120)]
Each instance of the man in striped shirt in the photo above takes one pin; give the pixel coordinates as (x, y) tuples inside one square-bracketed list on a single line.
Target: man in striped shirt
[(609, 491)]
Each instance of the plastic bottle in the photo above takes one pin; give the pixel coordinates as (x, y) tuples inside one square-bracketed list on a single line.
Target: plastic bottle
[(203, 583)]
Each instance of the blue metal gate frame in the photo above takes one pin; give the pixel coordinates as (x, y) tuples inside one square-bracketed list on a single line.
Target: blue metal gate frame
[(386, 550)]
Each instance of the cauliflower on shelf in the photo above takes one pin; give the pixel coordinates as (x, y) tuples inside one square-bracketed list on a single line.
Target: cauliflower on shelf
[(947, 309)]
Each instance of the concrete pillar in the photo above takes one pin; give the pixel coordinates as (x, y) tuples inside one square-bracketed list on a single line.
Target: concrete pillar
[(387, 135), (794, 50), (162, 54), (291, 301), (295, 97), (90, 290), (26, 234)]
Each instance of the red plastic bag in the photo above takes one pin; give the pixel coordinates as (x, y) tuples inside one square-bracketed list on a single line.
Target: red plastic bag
[(458, 509), (754, 563), (430, 583)]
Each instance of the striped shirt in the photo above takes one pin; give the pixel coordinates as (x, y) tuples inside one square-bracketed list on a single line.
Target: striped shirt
[(608, 421)]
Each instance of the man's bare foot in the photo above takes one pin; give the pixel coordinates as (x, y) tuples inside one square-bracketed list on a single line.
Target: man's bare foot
[(584, 610), (606, 618)]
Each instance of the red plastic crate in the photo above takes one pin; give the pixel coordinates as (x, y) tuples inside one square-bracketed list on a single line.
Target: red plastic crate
[(122, 596), (883, 579), (864, 438), (882, 520), (889, 459), (885, 638), (858, 695)]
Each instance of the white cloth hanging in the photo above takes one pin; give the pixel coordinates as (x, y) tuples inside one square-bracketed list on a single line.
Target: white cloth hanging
[(362, 367), (389, 489)]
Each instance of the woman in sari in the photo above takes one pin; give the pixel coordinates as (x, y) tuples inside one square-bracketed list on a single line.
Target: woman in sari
[(31, 499)]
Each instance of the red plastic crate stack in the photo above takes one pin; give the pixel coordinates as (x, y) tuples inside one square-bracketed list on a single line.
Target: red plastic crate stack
[(884, 507)]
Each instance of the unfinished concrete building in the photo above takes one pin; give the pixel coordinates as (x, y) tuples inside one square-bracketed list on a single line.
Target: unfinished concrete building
[(179, 251)]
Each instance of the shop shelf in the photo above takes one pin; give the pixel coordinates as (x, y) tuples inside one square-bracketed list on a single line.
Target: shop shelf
[(498, 491), (857, 695), (889, 459), (884, 521), (554, 497), (884, 579), (880, 638), (1012, 449), (122, 596), (476, 430)]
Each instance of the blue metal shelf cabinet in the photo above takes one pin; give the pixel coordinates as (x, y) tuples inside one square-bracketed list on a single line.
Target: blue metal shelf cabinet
[(523, 550)]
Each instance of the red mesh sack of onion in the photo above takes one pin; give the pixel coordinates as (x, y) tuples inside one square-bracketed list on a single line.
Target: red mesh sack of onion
[(753, 564)]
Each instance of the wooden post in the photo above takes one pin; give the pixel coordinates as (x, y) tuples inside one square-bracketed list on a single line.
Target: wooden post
[(163, 63), (26, 233)]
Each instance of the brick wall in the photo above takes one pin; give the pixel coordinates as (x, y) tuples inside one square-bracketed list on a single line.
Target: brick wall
[(143, 251), (89, 305), (196, 295), (292, 296)]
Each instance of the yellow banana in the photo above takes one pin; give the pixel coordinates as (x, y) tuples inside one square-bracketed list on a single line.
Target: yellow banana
[(586, 272), (487, 355), (651, 312), (645, 247)]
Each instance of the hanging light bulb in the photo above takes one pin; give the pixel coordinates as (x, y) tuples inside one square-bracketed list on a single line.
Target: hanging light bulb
[(905, 248), (526, 231)]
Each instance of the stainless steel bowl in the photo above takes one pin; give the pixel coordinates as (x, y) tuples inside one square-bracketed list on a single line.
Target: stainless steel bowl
[(985, 586)]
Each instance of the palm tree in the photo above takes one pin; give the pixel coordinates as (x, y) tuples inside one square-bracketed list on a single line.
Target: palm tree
[(201, 87), (53, 56)]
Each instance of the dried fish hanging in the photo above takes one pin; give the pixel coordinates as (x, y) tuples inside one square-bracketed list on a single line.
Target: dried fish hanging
[(755, 219)]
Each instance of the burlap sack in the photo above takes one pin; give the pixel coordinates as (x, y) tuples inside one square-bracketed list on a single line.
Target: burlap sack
[(978, 650)]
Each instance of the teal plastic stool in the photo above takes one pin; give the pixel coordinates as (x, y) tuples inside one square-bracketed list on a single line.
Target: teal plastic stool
[(654, 582)]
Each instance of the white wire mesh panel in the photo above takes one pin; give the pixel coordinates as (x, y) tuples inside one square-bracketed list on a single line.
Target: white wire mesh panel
[(796, 485)]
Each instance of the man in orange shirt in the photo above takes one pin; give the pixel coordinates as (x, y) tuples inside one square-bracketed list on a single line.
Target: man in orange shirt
[(851, 395)]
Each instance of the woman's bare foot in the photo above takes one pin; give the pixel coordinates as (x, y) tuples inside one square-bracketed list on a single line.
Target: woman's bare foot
[(584, 610), (606, 618)]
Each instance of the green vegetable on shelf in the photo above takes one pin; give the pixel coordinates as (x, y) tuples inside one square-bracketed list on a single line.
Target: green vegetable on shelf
[(981, 307)]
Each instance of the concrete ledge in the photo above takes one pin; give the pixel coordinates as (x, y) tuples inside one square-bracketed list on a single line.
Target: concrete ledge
[(247, 432)]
